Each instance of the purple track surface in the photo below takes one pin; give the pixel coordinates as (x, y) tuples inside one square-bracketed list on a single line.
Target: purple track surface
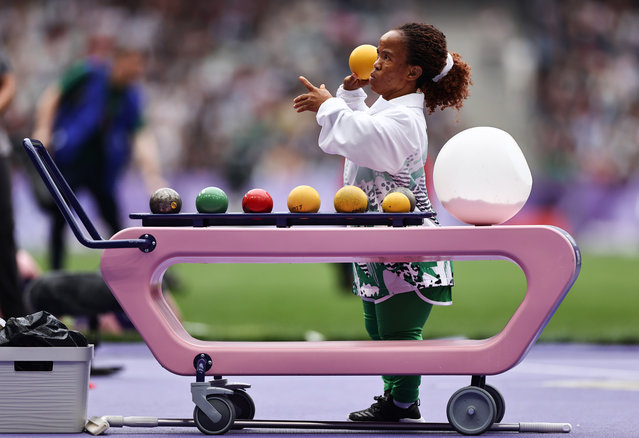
[(594, 388)]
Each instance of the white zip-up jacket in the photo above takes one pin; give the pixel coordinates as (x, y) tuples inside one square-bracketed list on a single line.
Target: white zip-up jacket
[(385, 146)]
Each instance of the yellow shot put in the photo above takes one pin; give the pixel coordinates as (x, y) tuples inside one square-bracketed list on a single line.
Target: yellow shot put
[(362, 59), (350, 199), (396, 202), (303, 199)]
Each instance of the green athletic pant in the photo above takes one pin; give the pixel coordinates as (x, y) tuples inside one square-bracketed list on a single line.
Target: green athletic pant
[(401, 317)]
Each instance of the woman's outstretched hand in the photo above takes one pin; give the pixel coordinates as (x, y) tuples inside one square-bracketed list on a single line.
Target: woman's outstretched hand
[(312, 100)]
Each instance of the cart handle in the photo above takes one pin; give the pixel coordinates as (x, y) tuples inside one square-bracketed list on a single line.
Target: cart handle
[(68, 203)]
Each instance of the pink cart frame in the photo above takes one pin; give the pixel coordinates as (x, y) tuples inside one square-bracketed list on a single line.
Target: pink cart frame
[(548, 257)]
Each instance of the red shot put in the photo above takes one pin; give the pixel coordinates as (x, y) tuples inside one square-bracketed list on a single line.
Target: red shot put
[(257, 201)]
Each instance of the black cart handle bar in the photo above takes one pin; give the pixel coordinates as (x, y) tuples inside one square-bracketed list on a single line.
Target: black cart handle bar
[(68, 203)]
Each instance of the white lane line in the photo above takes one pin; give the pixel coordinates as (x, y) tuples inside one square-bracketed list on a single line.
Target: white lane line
[(610, 385), (549, 369)]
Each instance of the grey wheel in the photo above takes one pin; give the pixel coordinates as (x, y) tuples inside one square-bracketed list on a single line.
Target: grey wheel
[(243, 404), (500, 403), (208, 426), (471, 410)]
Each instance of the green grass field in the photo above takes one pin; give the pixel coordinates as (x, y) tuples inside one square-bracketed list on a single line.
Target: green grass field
[(287, 301)]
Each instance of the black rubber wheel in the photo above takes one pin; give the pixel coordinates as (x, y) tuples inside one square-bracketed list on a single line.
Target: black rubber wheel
[(243, 404), (500, 403), (471, 410), (224, 407)]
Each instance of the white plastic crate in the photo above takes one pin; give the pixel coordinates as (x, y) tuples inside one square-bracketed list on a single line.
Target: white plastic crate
[(44, 389)]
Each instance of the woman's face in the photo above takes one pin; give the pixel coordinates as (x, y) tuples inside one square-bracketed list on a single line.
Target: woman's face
[(392, 76)]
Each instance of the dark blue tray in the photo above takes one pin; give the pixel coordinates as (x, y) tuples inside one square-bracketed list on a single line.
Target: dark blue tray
[(280, 220)]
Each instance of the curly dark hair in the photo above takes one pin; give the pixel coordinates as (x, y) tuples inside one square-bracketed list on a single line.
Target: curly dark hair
[(427, 48)]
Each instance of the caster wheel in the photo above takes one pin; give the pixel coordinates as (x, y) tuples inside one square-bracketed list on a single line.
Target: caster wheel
[(500, 403), (243, 404), (471, 410), (209, 427)]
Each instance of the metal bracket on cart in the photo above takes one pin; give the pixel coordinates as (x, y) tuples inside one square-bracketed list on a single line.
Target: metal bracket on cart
[(68, 204)]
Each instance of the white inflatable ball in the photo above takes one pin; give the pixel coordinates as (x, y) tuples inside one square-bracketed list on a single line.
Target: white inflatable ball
[(481, 176)]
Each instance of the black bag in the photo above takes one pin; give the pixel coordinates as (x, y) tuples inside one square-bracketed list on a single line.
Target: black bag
[(40, 329)]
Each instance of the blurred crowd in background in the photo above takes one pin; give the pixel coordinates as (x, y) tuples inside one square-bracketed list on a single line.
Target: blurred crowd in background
[(587, 113), (588, 88), (222, 75)]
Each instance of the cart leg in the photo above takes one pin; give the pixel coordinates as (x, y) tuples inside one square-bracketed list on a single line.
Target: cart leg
[(202, 363), (500, 403), (478, 380), (234, 392)]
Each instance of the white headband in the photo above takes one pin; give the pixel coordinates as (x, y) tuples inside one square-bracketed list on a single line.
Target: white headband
[(446, 69)]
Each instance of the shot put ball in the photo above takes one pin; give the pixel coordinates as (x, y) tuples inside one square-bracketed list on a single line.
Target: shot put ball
[(350, 199), (409, 195), (303, 199), (396, 202), (165, 200), (211, 200), (257, 201), (362, 59)]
